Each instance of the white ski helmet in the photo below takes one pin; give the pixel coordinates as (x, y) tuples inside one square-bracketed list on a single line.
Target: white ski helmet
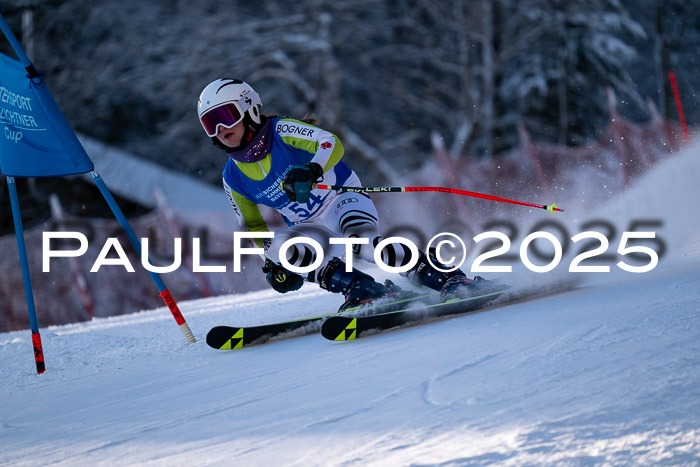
[(224, 102)]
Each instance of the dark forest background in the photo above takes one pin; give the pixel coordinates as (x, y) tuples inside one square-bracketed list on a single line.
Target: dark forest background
[(383, 75)]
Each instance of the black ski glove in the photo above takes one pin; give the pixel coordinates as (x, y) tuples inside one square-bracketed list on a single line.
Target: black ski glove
[(281, 279), (299, 181)]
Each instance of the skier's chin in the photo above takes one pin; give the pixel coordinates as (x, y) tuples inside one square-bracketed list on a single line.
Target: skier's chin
[(229, 140)]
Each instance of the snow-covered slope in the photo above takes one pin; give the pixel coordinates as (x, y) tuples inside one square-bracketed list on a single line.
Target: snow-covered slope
[(608, 373)]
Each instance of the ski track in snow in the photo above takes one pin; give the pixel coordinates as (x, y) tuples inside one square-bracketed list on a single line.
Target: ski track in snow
[(607, 373)]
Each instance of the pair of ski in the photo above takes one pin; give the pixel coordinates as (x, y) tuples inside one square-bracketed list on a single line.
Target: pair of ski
[(353, 323)]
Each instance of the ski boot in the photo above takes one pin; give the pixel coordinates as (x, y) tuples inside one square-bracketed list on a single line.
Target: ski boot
[(359, 288), (451, 285), (460, 286)]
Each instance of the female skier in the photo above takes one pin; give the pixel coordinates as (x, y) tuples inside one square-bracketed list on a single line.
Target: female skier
[(268, 153)]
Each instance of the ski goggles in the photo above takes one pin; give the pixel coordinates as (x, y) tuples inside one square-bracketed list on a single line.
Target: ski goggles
[(226, 115)]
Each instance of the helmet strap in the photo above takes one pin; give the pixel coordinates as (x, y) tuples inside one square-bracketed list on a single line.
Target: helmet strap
[(249, 134)]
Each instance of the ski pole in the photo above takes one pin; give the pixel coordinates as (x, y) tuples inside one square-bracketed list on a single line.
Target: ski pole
[(404, 189)]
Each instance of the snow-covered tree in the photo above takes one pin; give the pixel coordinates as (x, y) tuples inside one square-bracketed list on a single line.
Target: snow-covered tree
[(577, 51), (674, 37), (384, 74)]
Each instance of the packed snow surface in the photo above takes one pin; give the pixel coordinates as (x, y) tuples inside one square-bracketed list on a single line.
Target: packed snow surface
[(606, 373)]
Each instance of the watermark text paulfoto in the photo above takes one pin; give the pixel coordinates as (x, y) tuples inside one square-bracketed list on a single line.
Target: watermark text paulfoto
[(643, 247)]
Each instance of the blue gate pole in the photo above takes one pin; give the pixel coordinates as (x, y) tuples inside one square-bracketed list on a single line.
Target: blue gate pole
[(164, 292), (17, 47), (21, 246)]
